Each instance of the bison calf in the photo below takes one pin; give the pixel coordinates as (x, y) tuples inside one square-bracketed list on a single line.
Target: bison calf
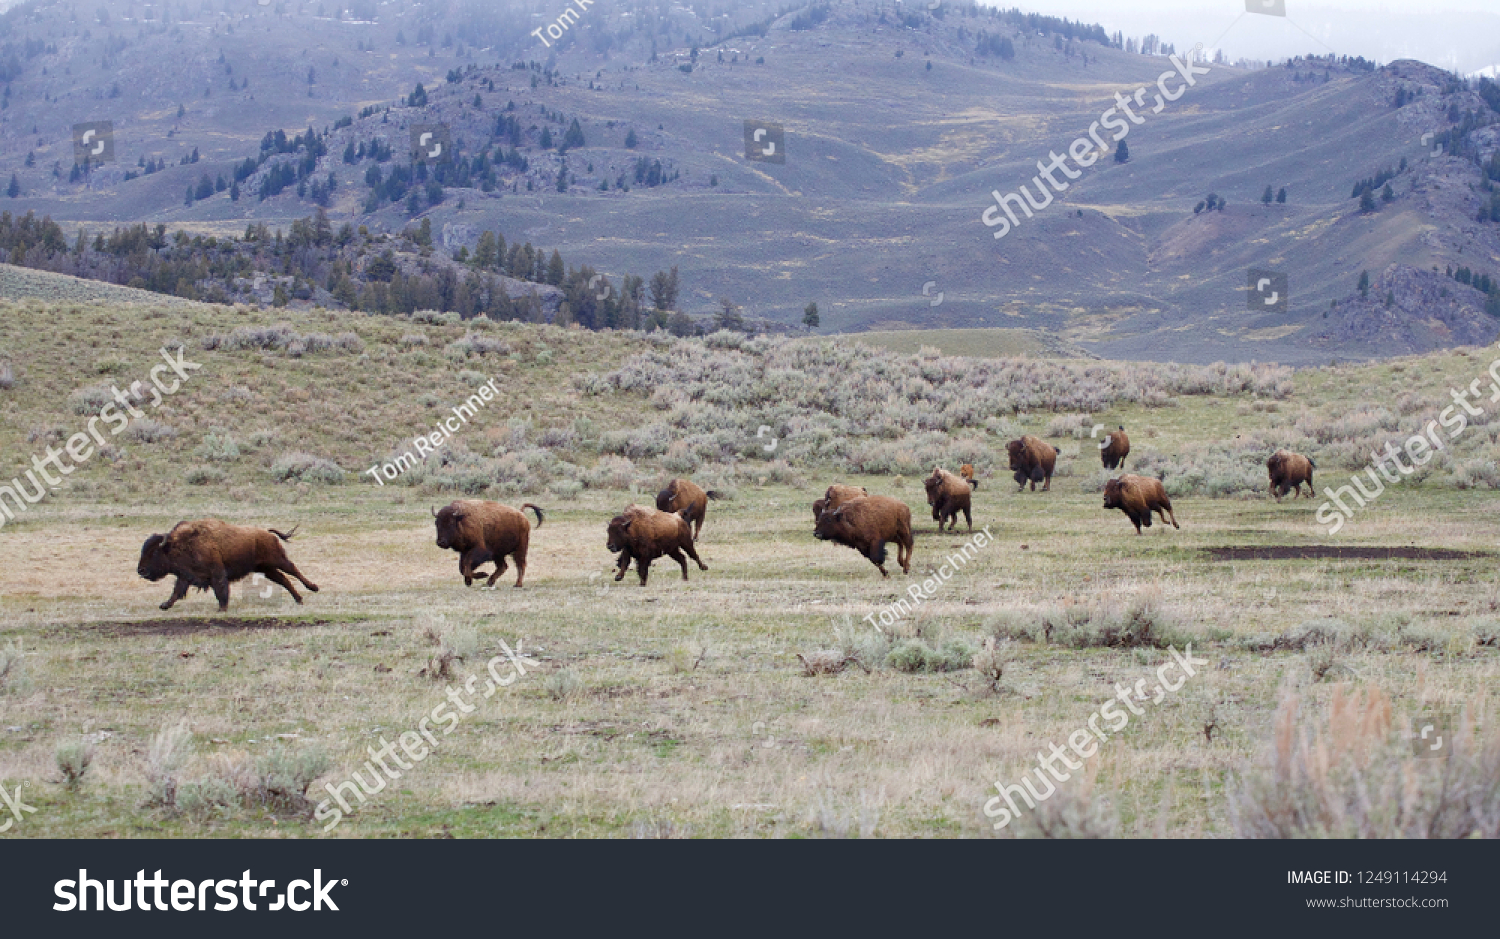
[(867, 525), (1033, 462), (643, 535), (483, 531), (948, 495), (967, 472), (210, 554), (1138, 497), (836, 496), (685, 498), (1288, 472), (1114, 449)]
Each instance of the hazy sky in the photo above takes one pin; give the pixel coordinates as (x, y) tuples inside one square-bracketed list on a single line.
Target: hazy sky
[(1454, 34)]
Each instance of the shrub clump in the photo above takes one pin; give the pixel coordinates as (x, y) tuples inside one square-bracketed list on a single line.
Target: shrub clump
[(307, 468)]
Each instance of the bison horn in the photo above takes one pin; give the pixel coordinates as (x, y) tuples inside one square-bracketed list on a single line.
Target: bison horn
[(433, 510)]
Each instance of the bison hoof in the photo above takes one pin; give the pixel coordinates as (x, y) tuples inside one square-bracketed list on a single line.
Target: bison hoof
[(165, 606), (313, 587)]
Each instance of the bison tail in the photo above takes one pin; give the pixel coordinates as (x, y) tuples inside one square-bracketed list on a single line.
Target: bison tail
[(714, 494), (1311, 463), (536, 509), (285, 537)]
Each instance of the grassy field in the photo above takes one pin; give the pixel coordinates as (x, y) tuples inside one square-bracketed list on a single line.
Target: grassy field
[(681, 709)]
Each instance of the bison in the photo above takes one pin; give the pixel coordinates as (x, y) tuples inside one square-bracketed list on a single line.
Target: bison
[(684, 498), (483, 531), (836, 496), (1288, 472), (1114, 449), (1138, 497), (967, 472), (643, 534), (212, 554), (1033, 462), (867, 524), (948, 495)]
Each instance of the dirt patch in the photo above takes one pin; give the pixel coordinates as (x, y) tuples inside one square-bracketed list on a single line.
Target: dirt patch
[(1279, 552), (190, 625)]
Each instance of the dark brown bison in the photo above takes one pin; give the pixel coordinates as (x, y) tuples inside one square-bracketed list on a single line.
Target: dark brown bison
[(210, 554), (867, 525), (1114, 449), (1033, 461), (684, 498), (1288, 472), (948, 495), (836, 496), (1138, 497), (642, 534), (967, 472), (483, 531)]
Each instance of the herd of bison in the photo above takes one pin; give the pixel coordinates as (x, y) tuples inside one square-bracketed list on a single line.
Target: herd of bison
[(210, 554)]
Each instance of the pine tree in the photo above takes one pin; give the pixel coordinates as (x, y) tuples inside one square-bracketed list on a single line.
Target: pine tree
[(1364, 284), (630, 140), (1122, 153), (1267, 197), (1366, 201), (1281, 196), (14, 189), (1388, 195), (810, 316), (555, 270)]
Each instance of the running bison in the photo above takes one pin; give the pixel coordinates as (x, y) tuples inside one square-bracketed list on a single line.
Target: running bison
[(210, 554), (483, 531), (1138, 497), (1114, 449), (1033, 462), (1288, 472), (643, 534), (867, 525), (684, 498), (948, 495), (967, 472), (836, 496)]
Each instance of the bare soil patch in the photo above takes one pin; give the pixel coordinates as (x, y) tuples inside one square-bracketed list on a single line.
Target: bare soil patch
[(197, 624), (1277, 552)]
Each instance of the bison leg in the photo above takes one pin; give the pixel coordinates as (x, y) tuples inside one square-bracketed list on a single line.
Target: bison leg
[(179, 590), (1047, 486), (692, 552), (624, 566), (968, 520), (290, 568), (698, 526), (520, 567), (500, 568), (903, 555), (1173, 516), (221, 588), (643, 567), (277, 577), (677, 555)]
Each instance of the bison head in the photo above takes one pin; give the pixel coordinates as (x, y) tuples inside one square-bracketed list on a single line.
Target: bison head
[(666, 498), (1016, 449), (154, 563), (934, 485), (1114, 494), (448, 522), (618, 534), (831, 525)]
